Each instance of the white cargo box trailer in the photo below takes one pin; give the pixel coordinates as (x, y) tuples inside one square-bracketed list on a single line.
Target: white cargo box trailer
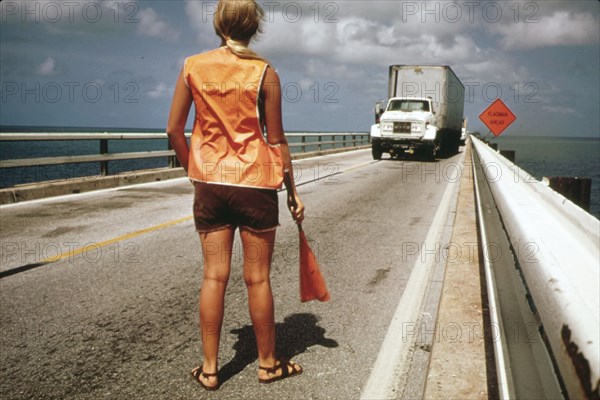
[(424, 111)]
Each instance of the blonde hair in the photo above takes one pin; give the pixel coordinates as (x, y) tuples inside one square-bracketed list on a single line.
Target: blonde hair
[(237, 22)]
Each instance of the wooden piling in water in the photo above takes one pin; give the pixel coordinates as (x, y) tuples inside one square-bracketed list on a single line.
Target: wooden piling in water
[(508, 154), (576, 189)]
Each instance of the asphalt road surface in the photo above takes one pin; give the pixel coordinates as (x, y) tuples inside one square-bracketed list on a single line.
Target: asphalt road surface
[(99, 291)]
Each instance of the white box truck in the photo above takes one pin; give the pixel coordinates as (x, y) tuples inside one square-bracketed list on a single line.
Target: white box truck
[(424, 113)]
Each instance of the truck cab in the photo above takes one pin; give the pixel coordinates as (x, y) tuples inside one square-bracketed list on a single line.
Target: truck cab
[(407, 125)]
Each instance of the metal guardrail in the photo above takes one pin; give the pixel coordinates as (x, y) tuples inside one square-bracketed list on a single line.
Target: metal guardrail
[(556, 249), (501, 357), (523, 367), (307, 140)]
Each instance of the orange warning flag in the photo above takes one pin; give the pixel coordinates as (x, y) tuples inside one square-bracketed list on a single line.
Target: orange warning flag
[(312, 284)]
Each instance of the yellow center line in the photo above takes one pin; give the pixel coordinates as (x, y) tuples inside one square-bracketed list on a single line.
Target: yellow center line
[(74, 252), (357, 166), (80, 250)]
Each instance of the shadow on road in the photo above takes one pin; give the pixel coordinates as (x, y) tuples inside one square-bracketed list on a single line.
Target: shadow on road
[(421, 157), (294, 335)]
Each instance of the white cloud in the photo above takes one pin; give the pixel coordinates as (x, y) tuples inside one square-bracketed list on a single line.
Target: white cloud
[(365, 37), (365, 33), (47, 67), (359, 40), (159, 91), (201, 20), (75, 18), (562, 28), (152, 25), (560, 110), (490, 68)]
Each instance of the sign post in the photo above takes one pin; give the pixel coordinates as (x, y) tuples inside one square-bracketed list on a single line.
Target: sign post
[(497, 117)]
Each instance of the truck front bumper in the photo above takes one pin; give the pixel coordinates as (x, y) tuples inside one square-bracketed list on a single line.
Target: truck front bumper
[(403, 144)]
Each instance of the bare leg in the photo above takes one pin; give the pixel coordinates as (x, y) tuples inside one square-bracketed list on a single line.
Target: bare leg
[(258, 251), (216, 250)]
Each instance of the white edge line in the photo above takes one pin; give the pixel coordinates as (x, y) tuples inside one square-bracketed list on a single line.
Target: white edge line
[(395, 347), (76, 196)]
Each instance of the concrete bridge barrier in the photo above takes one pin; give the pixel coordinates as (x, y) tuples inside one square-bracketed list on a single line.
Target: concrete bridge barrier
[(556, 246)]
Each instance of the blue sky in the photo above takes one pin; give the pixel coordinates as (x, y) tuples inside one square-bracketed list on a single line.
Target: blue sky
[(107, 63)]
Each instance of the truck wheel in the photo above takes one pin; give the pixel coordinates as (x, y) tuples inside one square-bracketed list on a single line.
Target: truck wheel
[(448, 147), (456, 143), (376, 150), (432, 154), (442, 150)]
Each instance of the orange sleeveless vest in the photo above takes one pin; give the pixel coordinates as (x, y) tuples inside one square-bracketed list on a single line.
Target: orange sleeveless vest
[(227, 145)]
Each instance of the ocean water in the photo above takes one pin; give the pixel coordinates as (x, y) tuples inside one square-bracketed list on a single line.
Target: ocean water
[(558, 156), (16, 150)]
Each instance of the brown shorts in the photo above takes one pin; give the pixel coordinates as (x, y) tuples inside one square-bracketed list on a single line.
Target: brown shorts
[(218, 207)]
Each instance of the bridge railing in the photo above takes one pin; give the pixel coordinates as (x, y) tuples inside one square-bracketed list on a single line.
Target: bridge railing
[(560, 268), (299, 142)]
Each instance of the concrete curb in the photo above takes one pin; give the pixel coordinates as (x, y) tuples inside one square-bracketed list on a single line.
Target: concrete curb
[(458, 365), (42, 190)]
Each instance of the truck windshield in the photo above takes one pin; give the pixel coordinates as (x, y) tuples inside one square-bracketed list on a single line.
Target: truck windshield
[(408, 105)]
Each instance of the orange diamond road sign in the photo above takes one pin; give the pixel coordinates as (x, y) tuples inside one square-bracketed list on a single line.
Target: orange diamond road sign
[(497, 117)]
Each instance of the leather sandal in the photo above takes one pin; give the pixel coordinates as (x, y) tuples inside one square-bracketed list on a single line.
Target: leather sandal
[(284, 366), (197, 372)]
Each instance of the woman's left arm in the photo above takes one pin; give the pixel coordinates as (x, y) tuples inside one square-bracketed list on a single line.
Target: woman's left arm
[(180, 108)]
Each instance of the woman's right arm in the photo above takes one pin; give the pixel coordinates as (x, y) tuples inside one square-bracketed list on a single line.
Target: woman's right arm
[(271, 91), (180, 108)]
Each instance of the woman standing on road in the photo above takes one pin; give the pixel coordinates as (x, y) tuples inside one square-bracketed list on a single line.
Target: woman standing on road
[(236, 174)]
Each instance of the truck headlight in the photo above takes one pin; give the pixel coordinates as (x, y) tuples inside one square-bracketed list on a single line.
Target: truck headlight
[(417, 128), (387, 127)]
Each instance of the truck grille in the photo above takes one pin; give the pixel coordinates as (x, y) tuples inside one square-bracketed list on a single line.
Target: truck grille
[(401, 127)]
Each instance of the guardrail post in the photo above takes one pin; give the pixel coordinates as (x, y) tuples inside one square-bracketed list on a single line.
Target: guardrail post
[(508, 154), (103, 150), (320, 139), (303, 141), (333, 140)]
